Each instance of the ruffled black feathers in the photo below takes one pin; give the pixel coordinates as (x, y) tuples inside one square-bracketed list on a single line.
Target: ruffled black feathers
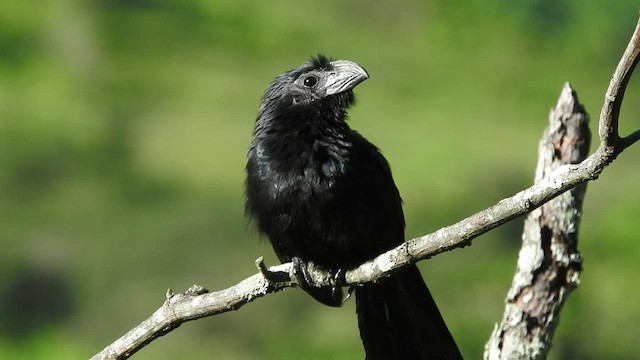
[(323, 193)]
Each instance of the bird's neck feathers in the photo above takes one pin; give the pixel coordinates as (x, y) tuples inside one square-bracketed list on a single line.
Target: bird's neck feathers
[(304, 123), (302, 137)]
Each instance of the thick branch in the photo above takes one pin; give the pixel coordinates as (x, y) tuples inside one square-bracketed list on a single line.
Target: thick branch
[(189, 307), (549, 263)]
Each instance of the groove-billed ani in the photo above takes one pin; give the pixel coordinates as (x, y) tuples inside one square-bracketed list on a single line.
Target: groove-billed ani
[(322, 193)]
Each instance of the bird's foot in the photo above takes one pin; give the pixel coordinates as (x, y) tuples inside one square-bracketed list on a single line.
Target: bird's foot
[(328, 295)]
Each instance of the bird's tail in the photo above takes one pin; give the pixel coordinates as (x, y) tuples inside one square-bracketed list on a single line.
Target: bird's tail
[(399, 319)]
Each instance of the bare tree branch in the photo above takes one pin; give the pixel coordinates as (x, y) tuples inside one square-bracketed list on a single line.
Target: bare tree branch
[(609, 116), (197, 303), (180, 308), (549, 263)]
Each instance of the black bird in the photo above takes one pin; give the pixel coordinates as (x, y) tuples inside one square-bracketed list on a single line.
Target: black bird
[(324, 194)]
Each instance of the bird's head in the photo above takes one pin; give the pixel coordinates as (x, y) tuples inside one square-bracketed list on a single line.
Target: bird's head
[(319, 86)]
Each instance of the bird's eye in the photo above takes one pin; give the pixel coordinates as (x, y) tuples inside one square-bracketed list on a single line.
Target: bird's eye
[(310, 81)]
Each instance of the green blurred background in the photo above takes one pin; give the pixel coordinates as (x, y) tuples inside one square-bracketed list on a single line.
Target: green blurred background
[(123, 130)]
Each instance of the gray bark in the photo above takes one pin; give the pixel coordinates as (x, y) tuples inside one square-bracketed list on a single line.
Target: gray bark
[(549, 263)]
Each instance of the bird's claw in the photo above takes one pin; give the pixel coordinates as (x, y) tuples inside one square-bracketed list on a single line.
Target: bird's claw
[(338, 278)]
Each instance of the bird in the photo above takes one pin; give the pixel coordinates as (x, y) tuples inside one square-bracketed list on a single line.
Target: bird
[(324, 194)]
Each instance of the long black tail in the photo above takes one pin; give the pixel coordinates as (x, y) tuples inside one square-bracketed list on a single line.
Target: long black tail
[(398, 319)]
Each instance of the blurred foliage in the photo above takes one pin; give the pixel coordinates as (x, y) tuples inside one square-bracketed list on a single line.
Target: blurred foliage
[(123, 130)]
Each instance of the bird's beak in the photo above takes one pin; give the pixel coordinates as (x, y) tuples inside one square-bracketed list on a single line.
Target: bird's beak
[(344, 76)]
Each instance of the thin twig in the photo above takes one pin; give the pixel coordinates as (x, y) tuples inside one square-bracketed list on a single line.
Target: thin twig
[(609, 116)]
